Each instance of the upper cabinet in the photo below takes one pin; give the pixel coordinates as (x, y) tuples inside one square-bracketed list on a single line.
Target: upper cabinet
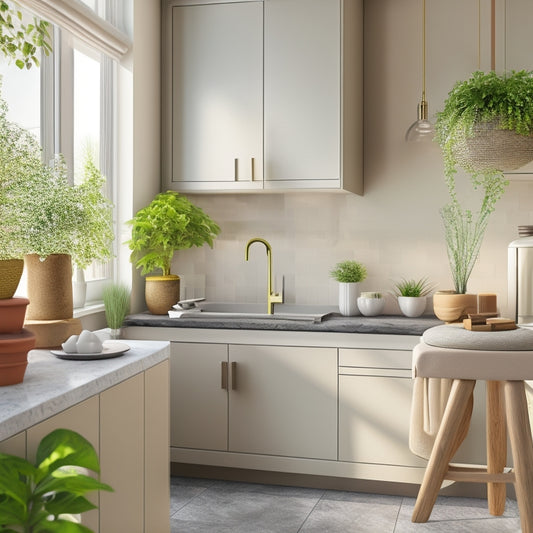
[(263, 95)]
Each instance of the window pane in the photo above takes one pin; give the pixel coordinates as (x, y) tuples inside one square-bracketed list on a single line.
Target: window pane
[(86, 110)]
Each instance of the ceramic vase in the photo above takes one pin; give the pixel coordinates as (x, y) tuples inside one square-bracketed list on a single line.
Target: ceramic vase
[(348, 294), (79, 288), (412, 306), (371, 306), (449, 306), (161, 293)]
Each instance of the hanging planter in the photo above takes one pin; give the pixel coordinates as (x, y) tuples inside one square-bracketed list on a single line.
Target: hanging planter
[(487, 123), (490, 147)]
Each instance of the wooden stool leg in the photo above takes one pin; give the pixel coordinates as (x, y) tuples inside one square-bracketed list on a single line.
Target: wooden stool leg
[(443, 449), (522, 449), (496, 446)]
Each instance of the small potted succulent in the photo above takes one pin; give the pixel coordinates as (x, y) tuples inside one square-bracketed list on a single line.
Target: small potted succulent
[(349, 274), (169, 223), (411, 295)]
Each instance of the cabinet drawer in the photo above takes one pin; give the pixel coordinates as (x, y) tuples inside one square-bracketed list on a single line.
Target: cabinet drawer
[(369, 358)]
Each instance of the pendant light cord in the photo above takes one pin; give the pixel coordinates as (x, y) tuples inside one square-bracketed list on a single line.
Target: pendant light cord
[(424, 50)]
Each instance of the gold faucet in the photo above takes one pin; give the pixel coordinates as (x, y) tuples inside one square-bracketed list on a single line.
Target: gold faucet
[(272, 297)]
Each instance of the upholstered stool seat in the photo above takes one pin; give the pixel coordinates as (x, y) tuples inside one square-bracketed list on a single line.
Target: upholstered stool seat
[(504, 360)]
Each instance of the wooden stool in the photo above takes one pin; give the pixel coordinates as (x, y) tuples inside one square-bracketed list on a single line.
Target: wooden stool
[(504, 360)]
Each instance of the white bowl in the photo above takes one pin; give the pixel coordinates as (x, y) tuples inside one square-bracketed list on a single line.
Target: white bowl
[(370, 306)]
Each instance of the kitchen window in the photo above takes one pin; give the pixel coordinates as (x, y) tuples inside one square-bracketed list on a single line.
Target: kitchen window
[(69, 102)]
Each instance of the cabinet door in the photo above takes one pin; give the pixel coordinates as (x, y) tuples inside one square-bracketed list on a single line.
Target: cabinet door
[(217, 104), (374, 415), (283, 401), (122, 456), (198, 398), (84, 419)]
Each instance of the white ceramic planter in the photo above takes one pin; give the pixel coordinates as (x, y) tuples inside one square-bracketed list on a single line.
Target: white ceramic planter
[(371, 306), (412, 306), (348, 294)]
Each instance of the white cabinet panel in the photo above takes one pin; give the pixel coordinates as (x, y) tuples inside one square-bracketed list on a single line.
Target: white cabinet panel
[(198, 403), (216, 100), (284, 401)]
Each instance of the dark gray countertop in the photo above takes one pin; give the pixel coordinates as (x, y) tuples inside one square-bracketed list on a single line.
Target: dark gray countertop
[(334, 322)]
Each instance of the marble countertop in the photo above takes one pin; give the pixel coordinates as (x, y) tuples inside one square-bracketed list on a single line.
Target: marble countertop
[(52, 385), (334, 322)]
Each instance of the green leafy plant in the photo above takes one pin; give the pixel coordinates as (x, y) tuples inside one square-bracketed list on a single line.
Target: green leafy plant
[(349, 272), (21, 41), (169, 223), (488, 97), (60, 218), (20, 161), (117, 304), (485, 97), (413, 288), (42, 497)]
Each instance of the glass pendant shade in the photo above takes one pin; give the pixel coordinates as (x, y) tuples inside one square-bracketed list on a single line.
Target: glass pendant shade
[(422, 129)]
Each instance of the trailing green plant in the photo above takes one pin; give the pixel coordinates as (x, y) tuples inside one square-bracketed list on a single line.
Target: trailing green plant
[(20, 41), (60, 218), (507, 99), (413, 288), (117, 304), (169, 223), (41, 497), (349, 272), (484, 97)]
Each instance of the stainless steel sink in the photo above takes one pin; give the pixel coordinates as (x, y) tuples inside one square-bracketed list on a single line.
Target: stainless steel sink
[(302, 313)]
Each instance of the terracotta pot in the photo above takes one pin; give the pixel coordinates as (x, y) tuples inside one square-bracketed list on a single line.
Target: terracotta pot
[(12, 312), (49, 287), (14, 350), (10, 273), (451, 307), (161, 293)]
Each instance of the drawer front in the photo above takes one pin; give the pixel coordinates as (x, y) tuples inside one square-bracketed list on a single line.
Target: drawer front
[(368, 358)]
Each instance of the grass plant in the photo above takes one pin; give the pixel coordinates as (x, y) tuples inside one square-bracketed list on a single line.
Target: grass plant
[(349, 272), (413, 288), (117, 304)]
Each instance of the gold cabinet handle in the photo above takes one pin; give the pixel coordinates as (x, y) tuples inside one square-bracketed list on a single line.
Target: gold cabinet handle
[(236, 169), (233, 375), (224, 375), (253, 169)]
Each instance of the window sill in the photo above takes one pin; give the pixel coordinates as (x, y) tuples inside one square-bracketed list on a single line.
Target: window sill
[(90, 308)]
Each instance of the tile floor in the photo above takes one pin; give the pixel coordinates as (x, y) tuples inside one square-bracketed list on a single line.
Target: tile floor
[(209, 506)]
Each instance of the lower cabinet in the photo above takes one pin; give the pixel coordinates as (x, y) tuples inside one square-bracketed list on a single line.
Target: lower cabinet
[(128, 426), (272, 400)]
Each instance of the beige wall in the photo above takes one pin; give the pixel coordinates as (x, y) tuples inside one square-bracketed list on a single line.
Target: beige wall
[(395, 228)]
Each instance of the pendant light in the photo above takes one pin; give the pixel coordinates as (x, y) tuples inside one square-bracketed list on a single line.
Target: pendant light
[(422, 129)]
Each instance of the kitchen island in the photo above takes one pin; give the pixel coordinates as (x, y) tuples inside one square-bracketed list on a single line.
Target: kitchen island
[(121, 406)]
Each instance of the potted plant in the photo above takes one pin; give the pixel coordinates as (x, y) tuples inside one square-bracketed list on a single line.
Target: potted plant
[(349, 274), (117, 306), (62, 224), (371, 303), (411, 295), (169, 223), (485, 102), (46, 495), (487, 122)]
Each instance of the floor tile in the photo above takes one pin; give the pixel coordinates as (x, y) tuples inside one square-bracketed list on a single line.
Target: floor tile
[(229, 508), (183, 490), (460, 515)]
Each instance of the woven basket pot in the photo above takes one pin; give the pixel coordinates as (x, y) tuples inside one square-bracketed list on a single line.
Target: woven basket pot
[(491, 148), (10, 273), (161, 293), (49, 287)]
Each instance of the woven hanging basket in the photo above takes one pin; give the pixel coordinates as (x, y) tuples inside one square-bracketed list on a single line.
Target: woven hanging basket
[(491, 148)]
